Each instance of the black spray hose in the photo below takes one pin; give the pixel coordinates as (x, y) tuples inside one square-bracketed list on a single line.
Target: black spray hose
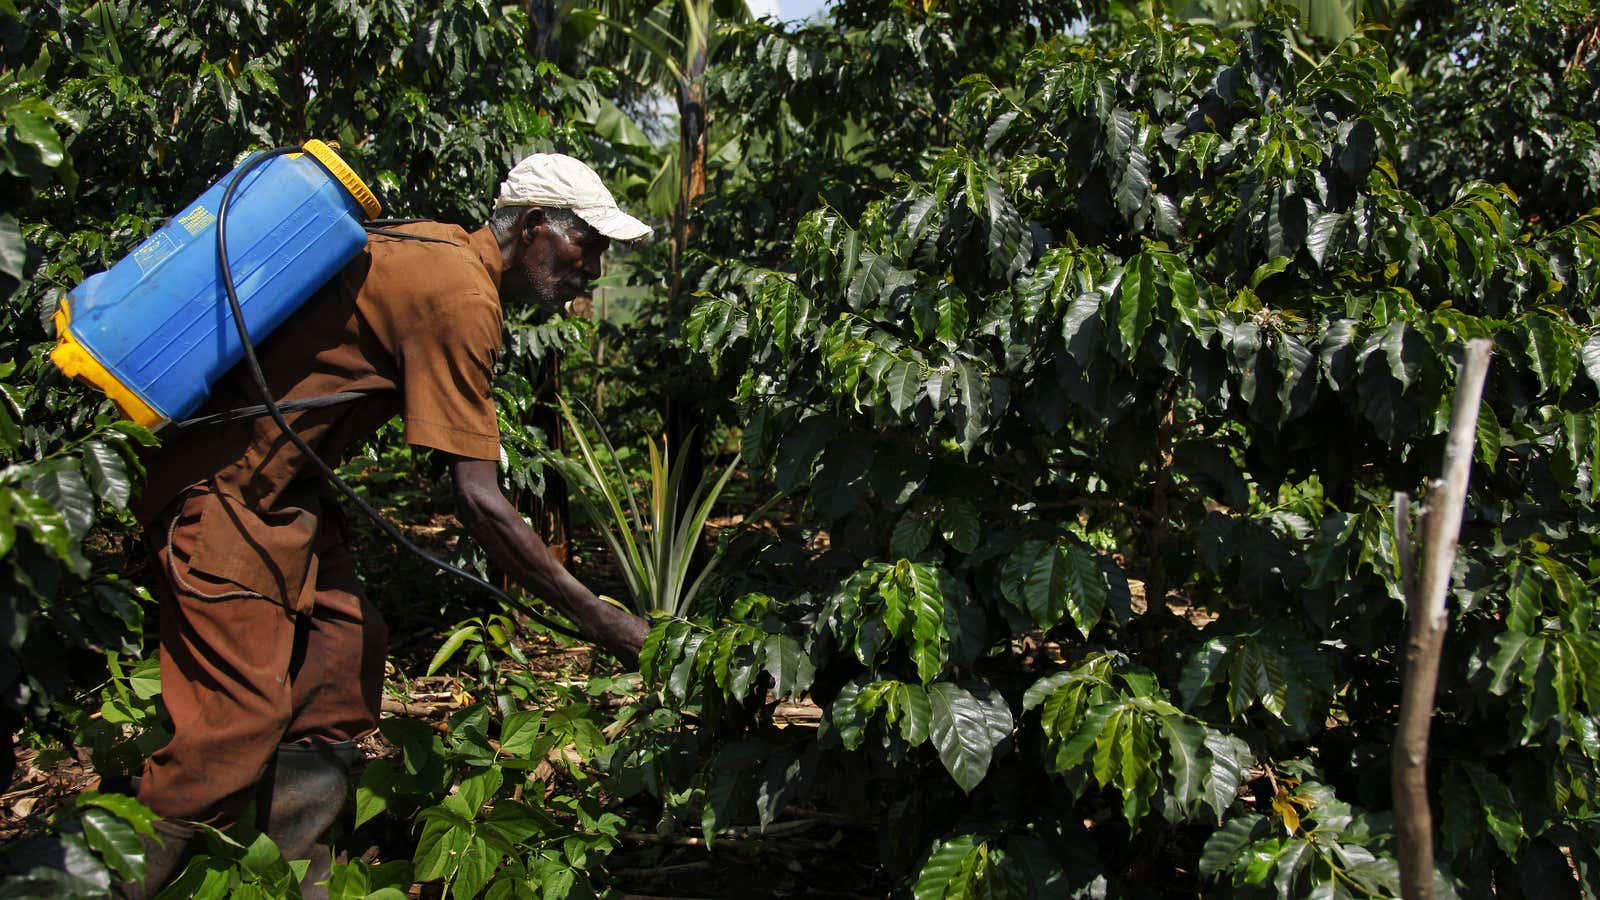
[(317, 462)]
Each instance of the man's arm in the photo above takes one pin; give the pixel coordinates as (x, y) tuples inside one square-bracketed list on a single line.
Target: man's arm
[(513, 546)]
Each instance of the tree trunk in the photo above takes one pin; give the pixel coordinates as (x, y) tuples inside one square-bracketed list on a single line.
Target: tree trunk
[(683, 414), (1425, 602), (542, 43)]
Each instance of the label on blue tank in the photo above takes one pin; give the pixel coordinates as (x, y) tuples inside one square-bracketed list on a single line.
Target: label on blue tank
[(155, 251), (197, 220)]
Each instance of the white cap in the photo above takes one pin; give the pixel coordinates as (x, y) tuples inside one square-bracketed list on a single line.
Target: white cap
[(559, 181)]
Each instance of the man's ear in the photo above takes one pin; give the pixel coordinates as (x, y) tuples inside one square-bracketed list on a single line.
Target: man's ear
[(531, 219)]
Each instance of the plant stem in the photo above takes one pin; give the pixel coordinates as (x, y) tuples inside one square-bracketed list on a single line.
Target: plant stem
[(1441, 528)]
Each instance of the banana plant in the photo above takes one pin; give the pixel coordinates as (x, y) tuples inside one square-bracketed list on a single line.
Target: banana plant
[(653, 542)]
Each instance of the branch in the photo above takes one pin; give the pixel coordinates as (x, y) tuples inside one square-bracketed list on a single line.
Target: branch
[(1425, 603)]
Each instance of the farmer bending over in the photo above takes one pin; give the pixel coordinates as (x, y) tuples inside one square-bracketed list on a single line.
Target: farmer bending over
[(272, 656)]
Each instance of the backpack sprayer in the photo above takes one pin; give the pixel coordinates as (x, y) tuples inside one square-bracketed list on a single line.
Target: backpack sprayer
[(150, 331)]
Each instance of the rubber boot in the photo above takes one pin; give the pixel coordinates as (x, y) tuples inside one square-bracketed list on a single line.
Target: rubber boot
[(162, 860), (299, 801)]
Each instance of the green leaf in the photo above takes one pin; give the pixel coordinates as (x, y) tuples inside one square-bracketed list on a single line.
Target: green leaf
[(475, 866), (720, 798), (1133, 187), (1124, 756), (55, 866), (13, 249), (903, 385), (1185, 296), (1041, 690), (49, 528), (1231, 760), (1498, 806), (1295, 391), (975, 878), (136, 433), (145, 678), (519, 732), (474, 792), (1084, 585), (63, 487), (912, 533), (1080, 312), (966, 726), (1551, 353), (663, 647), (136, 814), (451, 644), (10, 428), (783, 776), (1525, 598), (1510, 645), (263, 858), (933, 882), (786, 661), (438, 848), (362, 881), (1490, 437), (913, 712), (1224, 850), (1320, 236), (376, 789), (952, 312), (34, 129), (1137, 296), (108, 474), (1393, 344), (1336, 352), (1047, 581), (914, 611), (869, 279), (1006, 256), (1569, 590), (115, 841), (845, 715), (973, 404), (1268, 269), (1591, 358), (1190, 760), (959, 524)]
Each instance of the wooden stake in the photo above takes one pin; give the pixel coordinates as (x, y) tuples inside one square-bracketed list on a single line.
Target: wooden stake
[(1425, 603)]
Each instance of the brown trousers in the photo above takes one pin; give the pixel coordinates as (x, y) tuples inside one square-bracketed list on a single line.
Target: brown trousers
[(241, 673)]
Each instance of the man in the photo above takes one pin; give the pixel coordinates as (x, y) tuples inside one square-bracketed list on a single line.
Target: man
[(272, 656)]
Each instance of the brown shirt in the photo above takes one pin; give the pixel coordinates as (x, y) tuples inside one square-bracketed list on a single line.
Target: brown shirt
[(419, 322)]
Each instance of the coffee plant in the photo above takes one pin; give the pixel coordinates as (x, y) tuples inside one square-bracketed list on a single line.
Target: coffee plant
[(112, 115), (1506, 91), (1099, 415), (1084, 349)]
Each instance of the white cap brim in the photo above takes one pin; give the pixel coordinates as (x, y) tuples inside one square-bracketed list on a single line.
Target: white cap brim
[(613, 223)]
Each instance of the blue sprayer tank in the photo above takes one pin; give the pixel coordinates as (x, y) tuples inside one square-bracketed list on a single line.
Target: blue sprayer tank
[(155, 331)]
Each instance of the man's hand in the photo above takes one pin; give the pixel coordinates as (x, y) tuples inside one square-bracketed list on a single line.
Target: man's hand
[(516, 549)]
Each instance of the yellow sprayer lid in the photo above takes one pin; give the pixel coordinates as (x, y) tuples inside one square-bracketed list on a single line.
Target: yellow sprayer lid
[(352, 182), (75, 361)]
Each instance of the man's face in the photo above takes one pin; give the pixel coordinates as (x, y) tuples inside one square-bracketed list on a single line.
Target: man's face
[(555, 261)]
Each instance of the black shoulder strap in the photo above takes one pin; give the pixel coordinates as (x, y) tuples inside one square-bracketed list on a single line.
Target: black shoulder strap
[(251, 412), (376, 227)]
